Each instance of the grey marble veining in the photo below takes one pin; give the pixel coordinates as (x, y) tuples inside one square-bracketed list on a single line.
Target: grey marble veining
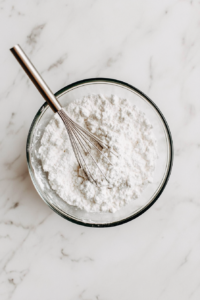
[(153, 45)]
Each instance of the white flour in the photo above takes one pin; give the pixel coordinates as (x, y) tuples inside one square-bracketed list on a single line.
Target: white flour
[(125, 129)]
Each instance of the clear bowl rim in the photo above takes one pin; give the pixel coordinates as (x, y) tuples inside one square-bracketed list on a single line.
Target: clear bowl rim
[(171, 152)]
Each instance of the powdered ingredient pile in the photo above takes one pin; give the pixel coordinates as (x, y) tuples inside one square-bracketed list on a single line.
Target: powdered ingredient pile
[(125, 129)]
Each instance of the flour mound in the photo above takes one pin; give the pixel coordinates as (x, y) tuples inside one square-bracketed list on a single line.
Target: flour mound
[(125, 129)]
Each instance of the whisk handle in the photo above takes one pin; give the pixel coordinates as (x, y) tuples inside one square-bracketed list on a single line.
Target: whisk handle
[(35, 77)]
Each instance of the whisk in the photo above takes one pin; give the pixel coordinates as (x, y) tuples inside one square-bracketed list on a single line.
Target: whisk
[(83, 141)]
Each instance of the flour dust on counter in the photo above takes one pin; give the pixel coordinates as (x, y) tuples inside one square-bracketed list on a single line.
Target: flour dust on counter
[(127, 132)]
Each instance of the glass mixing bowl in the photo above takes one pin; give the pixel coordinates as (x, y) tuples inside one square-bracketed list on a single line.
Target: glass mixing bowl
[(163, 167)]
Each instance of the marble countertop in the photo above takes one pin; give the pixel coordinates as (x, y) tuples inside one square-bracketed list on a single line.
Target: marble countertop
[(153, 45)]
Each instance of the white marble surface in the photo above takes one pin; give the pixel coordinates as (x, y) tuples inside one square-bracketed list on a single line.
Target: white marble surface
[(153, 45)]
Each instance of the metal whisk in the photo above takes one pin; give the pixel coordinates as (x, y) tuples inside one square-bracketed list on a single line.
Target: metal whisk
[(83, 142)]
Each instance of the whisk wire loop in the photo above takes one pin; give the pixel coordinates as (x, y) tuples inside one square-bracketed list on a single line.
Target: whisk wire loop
[(81, 143)]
